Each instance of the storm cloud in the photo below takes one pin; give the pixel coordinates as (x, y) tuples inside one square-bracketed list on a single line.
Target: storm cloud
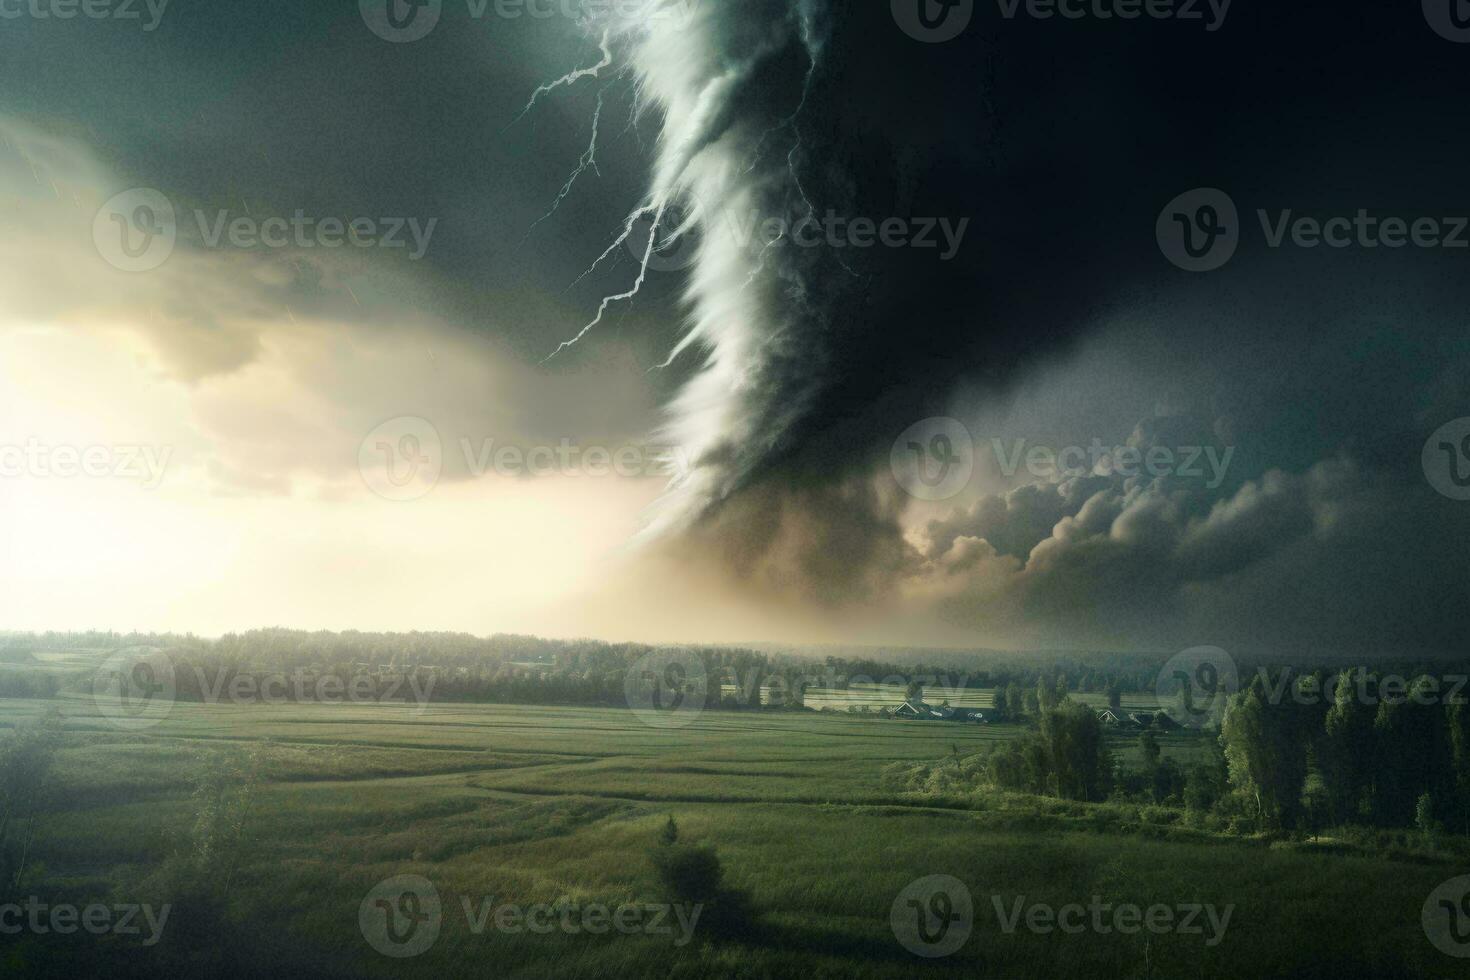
[(1058, 144)]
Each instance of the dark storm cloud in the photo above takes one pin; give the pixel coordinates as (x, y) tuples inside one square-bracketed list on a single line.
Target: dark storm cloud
[(1061, 142)]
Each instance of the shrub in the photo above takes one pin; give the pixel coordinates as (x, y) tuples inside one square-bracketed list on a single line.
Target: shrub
[(691, 873), (688, 872)]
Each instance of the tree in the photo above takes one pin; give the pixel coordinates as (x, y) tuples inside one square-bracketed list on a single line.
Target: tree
[(1316, 805), (796, 692), (1072, 738), (692, 873), (1458, 725), (1265, 754), (1208, 781), (1346, 750), (669, 835), (1424, 819), (1410, 751), (1149, 746), (1015, 701), (1046, 696), (1163, 776)]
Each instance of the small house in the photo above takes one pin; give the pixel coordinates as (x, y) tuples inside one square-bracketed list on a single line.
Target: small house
[(1154, 719), (911, 710), (920, 711)]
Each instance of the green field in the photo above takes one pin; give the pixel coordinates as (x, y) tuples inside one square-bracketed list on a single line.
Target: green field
[(536, 805)]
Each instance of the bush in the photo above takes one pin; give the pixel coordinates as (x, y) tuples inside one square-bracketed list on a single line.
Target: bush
[(691, 873), (688, 873)]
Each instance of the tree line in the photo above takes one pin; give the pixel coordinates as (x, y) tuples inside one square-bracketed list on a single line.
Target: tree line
[(1293, 753), (1358, 747)]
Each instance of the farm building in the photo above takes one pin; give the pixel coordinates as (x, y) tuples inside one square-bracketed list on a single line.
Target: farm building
[(920, 711), (1156, 719)]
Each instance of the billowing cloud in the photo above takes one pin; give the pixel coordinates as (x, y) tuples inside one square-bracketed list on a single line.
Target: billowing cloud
[(288, 357)]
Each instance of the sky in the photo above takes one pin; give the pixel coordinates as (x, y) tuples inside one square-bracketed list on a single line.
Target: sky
[(312, 320)]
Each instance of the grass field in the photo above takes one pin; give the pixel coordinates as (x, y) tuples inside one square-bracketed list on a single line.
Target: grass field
[(531, 805)]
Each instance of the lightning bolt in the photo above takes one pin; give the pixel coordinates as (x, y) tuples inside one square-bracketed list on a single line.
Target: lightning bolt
[(794, 122), (633, 290), (589, 159), (569, 78), (791, 120), (657, 204), (760, 262), (627, 232)]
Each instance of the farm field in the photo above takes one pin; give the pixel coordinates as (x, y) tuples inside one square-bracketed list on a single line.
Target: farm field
[(528, 805)]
